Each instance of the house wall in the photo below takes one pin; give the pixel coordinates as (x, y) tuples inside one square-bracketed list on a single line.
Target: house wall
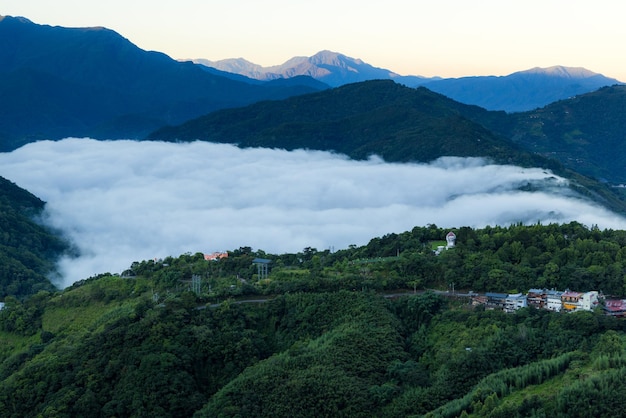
[(554, 305)]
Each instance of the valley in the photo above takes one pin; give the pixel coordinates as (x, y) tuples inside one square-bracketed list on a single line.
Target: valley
[(319, 238)]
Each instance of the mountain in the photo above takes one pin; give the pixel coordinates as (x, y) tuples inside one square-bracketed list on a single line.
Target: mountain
[(586, 133), (57, 82), (296, 81), (380, 117), (329, 67), (350, 333), (521, 91), (27, 249), (360, 119)]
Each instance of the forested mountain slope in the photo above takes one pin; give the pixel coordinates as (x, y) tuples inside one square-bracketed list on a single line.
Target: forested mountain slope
[(586, 133), (317, 337), (382, 118), (373, 117), (57, 82), (27, 249)]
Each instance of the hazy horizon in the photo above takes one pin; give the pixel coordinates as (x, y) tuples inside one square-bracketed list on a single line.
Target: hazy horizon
[(125, 201)]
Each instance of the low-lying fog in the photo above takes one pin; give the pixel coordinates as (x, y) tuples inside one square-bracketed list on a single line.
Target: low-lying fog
[(125, 201)]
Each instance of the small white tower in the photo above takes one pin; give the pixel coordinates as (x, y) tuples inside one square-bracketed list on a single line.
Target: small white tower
[(450, 239)]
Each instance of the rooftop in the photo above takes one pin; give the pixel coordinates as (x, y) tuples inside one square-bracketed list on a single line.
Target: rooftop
[(615, 305)]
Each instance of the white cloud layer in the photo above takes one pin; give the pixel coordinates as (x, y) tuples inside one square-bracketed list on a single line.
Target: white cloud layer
[(125, 201)]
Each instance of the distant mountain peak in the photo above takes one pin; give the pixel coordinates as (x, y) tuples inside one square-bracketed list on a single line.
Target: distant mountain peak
[(333, 58), (523, 90), (561, 71), (19, 19), (240, 63), (332, 68)]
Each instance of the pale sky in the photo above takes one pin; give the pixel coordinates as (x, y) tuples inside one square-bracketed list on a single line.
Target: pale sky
[(448, 38)]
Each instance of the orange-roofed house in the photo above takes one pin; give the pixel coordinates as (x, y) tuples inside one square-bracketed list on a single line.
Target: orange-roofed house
[(215, 256)]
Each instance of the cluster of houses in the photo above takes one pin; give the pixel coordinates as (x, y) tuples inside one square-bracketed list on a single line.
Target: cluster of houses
[(553, 300)]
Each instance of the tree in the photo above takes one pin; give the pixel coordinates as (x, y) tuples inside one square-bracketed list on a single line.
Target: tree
[(609, 344)]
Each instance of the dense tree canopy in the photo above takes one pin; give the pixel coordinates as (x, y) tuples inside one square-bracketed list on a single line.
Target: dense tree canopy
[(492, 259), (27, 249), (348, 333)]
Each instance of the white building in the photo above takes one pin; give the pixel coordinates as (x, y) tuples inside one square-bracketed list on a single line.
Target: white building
[(577, 301), (450, 239), (553, 300), (589, 300), (514, 302)]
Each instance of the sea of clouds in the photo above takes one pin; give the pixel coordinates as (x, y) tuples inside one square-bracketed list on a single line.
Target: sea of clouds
[(125, 201)]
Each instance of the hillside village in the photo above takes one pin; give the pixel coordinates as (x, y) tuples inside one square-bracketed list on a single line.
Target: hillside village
[(550, 299)]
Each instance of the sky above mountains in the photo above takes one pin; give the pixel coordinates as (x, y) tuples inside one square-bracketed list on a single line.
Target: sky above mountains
[(125, 201), (448, 38)]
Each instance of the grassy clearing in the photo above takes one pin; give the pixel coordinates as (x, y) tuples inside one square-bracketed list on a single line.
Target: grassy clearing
[(435, 244), (11, 343), (69, 320)]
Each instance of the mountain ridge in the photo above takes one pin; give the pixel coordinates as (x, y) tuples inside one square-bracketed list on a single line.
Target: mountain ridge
[(560, 70), (523, 90), (58, 82), (332, 68), (116, 90), (380, 117), (586, 133), (345, 119), (515, 92)]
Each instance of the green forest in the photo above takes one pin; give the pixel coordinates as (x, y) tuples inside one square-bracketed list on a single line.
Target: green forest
[(27, 249), (365, 331)]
